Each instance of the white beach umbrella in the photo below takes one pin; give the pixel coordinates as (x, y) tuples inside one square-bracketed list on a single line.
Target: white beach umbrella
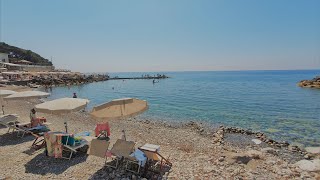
[(120, 108), (4, 93), (27, 95), (61, 106)]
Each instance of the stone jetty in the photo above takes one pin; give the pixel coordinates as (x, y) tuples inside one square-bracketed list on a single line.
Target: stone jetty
[(78, 78), (314, 83), (70, 79)]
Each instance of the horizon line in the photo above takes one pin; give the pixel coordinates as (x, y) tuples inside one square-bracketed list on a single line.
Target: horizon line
[(205, 71)]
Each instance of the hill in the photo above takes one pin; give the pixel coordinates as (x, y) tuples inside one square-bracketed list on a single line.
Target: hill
[(16, 53)]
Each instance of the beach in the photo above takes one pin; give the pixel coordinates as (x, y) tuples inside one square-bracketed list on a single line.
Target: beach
[(194, 152)]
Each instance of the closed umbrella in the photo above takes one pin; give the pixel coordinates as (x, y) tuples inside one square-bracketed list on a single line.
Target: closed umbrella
[(62, 106), (120, 108), (24, 95)]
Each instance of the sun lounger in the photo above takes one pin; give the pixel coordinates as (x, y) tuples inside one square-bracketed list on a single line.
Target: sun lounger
[(8, 120), (98, 148), (120, 150), (58, 142), (153, 154)]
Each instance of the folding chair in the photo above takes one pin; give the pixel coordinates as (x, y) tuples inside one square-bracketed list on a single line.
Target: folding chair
[(153, 154), (102, 131), (121, 149)]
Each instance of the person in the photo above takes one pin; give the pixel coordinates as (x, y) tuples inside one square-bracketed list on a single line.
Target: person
[(75, 95), (34, 121)]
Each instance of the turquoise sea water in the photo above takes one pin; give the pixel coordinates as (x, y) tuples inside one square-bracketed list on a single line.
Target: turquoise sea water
[(267, 101)]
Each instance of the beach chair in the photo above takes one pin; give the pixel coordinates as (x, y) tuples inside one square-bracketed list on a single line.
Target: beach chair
[(102, 131), (120, 150), (98, 148), (138, 159), (156, 162), (23, 129), (58, 144), (8, 120)]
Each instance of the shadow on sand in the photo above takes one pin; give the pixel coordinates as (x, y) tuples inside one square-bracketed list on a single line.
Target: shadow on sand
[(12, 139), (108, 172), (42, 164)]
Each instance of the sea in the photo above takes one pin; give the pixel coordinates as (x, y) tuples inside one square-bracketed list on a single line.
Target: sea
[(265, 101)]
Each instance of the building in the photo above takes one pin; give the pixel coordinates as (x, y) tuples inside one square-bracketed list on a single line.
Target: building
[(4, 58), (24, 62)]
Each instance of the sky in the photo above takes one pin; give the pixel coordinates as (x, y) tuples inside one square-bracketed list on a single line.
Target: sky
[(166, 35)]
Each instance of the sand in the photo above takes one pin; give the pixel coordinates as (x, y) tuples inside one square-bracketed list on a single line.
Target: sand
[(193, 153)]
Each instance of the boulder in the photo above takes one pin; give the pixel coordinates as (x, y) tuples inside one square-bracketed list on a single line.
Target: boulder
[(309, 165), (254, 154), (269, 150), (296, 146), (313, 150)]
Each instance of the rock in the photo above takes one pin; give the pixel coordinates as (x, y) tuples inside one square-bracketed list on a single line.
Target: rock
[(313, 150), (296, 146), (306, 156), (254, 154), (256, 141), (221, 159), (309, 165), (269, 150)]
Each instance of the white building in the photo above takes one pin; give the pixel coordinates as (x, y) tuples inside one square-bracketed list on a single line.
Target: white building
[(4, 58)]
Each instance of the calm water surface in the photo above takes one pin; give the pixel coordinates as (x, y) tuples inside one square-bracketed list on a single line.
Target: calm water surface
[(267, 101)]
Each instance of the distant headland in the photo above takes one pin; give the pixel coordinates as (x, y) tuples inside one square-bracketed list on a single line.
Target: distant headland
[(25, 67), (313, 83)]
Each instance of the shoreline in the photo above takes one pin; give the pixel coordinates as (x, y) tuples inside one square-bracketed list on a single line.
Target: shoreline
[(194, 151)]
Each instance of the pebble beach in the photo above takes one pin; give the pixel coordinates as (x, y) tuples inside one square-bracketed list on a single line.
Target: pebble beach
[(195, 151)]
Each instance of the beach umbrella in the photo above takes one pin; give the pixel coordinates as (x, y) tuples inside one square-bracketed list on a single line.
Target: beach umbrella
[(120, 108), (24, 95), (4, 93), (62, 106)]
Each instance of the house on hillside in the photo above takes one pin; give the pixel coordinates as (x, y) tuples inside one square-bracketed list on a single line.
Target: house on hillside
[(4, 57), (25, 62)]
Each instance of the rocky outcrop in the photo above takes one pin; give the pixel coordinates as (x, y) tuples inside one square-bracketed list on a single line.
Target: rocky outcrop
[(67, 80), (314, 83), (306, 165)]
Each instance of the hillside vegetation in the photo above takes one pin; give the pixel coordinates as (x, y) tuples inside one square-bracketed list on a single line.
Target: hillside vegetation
[(16, 53)]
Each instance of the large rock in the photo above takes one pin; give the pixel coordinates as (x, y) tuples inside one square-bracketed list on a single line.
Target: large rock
[(255, 154), (269, 150), (313, 150), (295, 145), (306, 165)]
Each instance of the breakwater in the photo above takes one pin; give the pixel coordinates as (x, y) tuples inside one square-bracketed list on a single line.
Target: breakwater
[(77, 79)]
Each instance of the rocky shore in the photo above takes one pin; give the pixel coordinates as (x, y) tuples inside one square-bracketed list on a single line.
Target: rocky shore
[(314, 83), (71, 79)]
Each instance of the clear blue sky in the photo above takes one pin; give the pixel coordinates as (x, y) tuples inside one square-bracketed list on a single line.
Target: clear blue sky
[(167, 35)]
